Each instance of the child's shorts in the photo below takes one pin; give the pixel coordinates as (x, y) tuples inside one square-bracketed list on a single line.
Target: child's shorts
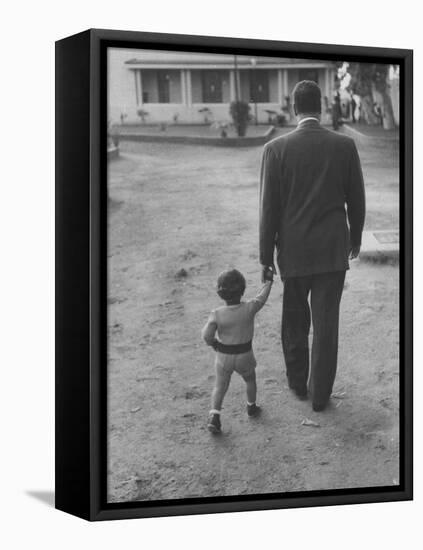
[(242, 363)]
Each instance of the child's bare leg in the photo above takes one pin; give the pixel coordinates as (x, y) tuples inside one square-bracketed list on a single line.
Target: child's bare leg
[(220, 388), (250, 380)]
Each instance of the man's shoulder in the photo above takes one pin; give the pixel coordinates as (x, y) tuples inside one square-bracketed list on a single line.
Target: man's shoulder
[(296, 139), (339, 137), (279, 142)]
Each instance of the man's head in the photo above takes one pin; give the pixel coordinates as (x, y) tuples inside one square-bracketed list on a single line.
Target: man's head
[(307, 99)]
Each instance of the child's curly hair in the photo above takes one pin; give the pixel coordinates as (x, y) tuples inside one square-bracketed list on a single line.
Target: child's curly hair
[(231, 285)]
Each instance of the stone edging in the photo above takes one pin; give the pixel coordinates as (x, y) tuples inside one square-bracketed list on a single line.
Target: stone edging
[(378, 251), (200, 140), (112, 153)]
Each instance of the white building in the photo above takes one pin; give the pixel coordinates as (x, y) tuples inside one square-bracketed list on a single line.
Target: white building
[(192, 88)]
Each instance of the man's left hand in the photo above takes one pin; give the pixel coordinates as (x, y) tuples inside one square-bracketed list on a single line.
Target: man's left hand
[(354, 252)]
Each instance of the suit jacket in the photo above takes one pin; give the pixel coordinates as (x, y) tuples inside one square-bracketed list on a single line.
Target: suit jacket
[(311, 183)]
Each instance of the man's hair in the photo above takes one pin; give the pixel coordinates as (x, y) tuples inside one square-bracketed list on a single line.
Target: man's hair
[(307, 97), (231, 284)]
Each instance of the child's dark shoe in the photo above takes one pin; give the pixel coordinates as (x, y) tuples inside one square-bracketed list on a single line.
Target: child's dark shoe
[(253, 410), (213, 425)]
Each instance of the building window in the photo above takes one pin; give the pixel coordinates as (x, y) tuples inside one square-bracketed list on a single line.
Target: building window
[(259, 86), (163, 86), (309, 74), (212, 84)]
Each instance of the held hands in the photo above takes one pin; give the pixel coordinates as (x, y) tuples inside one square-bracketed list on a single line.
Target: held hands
[(354, 252), (267, 273)]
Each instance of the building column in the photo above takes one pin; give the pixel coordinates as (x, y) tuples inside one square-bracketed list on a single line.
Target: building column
[(183, 87), (137, 95), (285, 83), (138, 76), (231, 85), (189, 87), (327, 85), (280, 87)]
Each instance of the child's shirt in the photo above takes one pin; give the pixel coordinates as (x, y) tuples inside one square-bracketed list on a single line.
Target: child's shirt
[(235, 324)]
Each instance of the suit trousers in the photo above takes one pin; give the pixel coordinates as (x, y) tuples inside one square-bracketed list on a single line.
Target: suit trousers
[(325, 290)]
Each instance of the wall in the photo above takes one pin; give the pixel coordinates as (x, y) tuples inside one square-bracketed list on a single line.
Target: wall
[(121, 85)]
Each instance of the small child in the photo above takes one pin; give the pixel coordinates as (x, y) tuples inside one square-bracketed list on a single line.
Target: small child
[(234, 324)]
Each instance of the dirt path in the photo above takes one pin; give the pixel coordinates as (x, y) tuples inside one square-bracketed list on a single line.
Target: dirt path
[(181, 207)]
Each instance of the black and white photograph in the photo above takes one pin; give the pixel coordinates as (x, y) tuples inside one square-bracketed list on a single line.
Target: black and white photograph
[(210, 241), (253, 289)]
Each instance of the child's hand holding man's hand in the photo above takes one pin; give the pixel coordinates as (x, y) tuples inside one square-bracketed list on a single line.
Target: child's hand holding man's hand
[(267, 273)]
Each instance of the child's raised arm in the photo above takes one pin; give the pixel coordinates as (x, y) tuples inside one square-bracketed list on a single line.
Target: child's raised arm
[(258, 302), (209, 330)]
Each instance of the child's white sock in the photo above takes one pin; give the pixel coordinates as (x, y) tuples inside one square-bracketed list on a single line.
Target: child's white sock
[(249, 404), (214, 411)]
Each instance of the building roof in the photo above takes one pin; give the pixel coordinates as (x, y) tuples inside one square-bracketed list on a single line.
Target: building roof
[(163, 59)]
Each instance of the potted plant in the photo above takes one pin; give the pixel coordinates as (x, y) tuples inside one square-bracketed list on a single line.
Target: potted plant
[(240, 113), (271, 114), (206, 112), (280, 119), (112, 135), (222, 126), (142, 114)]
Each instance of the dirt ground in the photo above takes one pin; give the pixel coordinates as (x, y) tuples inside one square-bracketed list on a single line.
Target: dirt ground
[(193, 208)]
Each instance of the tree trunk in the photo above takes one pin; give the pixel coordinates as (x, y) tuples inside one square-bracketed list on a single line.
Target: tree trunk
[(388, 112), (367, 110), (381, 83)]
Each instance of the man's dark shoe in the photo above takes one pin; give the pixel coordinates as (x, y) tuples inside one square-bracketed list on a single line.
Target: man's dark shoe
[(213, 424), (319, 407), (253, 410)]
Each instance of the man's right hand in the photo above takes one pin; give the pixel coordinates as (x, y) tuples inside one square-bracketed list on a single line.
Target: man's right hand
[(267, 272)]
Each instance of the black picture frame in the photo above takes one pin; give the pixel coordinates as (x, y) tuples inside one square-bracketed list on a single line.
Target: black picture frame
[(81, 274)]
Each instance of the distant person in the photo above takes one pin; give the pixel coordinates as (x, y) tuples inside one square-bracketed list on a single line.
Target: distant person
[(312, 208), (233, 324), (336, 111), (377, 109)]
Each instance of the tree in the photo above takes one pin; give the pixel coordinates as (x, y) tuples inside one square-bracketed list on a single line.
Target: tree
[(369, 80), (362, 83), (381, 83)]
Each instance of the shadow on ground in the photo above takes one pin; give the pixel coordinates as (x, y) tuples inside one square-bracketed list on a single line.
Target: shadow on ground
[(46, 497)]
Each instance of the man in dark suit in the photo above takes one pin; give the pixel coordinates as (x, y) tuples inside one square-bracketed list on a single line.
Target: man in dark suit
[(312, 208)]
